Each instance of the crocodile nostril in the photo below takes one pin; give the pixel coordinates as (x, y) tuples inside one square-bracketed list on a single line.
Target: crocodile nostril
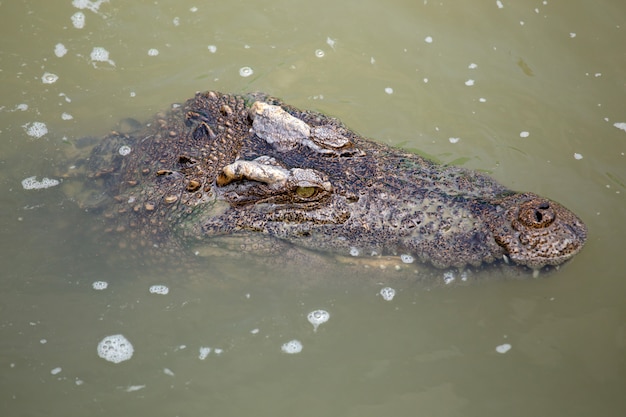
[(536, 214)]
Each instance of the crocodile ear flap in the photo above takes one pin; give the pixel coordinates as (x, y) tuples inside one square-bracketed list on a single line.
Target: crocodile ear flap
[(254, 171)]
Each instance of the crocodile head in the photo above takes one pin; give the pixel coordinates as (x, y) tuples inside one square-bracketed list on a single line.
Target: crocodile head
[(304, 178), (254, 168)]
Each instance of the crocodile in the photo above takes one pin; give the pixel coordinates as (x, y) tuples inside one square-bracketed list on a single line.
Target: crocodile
[(269, 176)]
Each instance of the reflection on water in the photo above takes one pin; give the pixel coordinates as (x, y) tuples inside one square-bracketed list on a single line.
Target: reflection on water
[(532, 93)]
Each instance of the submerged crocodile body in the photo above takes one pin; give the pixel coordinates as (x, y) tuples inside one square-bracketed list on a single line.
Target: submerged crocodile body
[(254, 168)]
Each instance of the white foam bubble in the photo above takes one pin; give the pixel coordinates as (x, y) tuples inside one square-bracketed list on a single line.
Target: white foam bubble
[(22, 107), (454, 140), (388, 90), (388, 293), (524, 134), (503, 348), (60, 50), (428, 39), (159, 289), (621, 125), (56, 370), (99, 54), (354, 251), (469, 83), (472, 66), (92, 5), (245, 71), (212, 49), (319, 53), (318, 317), (115, 348), (448, 277), (80, 4), (66, 116), (132, 388), (578, 156), (331, 42), (78, 20), (168, 371), (204, 352), (100, 285), (36, 129), (499, 4), (31, 183), (124, 150), (406, 258), (292, 347), (153, 52)]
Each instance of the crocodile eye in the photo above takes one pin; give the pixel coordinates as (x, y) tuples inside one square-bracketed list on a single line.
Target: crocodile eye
[(306, 192)]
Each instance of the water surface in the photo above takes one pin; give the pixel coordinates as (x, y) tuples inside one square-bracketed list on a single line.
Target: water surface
[(532, 92)]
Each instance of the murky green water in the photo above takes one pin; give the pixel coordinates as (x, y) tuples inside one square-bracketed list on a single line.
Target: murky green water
[(413, 74)]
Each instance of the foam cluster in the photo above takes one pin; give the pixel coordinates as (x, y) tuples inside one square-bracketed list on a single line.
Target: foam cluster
[(78, 20), (36, 129), (31, 183), (99, 54), (60, 50), (92, 5), (159, 289), (388, 293), (407, 259), (204, 352), (448, 277), (99, 285), (291, 347), (115, 348)]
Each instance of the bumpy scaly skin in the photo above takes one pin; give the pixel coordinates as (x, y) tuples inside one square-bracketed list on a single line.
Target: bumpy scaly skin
[(223, 165)]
